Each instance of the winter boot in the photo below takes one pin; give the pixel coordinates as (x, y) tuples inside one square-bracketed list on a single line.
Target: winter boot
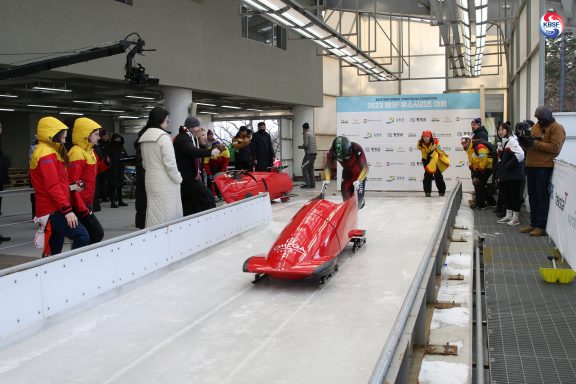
[(514, 221), (428, 194), (506, 218), (527, 229)]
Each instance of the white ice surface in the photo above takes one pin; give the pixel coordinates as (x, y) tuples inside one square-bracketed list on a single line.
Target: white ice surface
[(457, 316), (204, 322), (442, 372)]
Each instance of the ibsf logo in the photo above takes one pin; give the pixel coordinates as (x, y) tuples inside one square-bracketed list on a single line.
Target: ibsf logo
[(551, 25), (460, 164)]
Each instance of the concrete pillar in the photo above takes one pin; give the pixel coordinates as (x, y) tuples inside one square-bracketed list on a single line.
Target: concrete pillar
[(178, 102)]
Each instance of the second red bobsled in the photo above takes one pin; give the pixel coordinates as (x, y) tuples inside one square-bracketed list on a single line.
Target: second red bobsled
[(311, 242), (238, 185)]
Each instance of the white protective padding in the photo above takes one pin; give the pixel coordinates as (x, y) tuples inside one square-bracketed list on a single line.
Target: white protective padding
[(48, 287)]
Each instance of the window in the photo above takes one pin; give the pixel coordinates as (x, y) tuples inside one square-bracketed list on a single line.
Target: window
[(256, 27)]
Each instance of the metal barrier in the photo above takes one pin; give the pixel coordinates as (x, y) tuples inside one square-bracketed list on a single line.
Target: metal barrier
[(410, 327), (33, 291)]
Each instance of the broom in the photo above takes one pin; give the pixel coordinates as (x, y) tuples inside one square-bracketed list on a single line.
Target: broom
[(553, 275)]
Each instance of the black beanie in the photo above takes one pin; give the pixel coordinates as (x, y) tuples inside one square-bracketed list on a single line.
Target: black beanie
[(305, 126)]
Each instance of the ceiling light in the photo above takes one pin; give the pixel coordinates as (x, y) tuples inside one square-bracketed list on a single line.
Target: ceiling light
[(72, 113), (42, 106), (506, 6), (7, 110), (280, 19), (206, 104), (111, 110), (87, 102), (128, 117), (317, 32), (255, 110), (255, 5), (139, 97), (209, 113), (272, 4), (149, 107), (296, 17), (11, 96), (304, 33), (230, 106), (52, 89)]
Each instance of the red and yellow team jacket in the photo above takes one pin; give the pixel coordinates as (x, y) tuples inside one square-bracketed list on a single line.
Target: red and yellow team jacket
[(437, 159), (221, 162), (83, 165), (479, 155), (48, 172)]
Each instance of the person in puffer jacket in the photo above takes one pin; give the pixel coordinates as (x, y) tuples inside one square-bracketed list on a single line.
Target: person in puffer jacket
[(510, 174), (435, 161), (84, 165), (52, 188)]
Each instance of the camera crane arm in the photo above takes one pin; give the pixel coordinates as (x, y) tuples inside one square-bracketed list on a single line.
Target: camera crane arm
[(78, 57)]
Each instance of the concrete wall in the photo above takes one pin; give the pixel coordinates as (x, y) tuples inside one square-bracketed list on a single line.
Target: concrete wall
[(199, 45)]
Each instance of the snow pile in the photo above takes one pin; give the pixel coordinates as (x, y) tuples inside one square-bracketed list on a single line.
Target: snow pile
[(457, 316), (454, 293), (442, 372), (461, 259)]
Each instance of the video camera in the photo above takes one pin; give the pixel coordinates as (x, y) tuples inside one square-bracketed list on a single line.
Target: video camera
[(523, 129)]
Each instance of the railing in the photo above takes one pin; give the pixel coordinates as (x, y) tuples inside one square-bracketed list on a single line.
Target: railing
[(397, 351)]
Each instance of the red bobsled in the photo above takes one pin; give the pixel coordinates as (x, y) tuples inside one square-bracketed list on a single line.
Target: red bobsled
[(311, 242), (238, 185)]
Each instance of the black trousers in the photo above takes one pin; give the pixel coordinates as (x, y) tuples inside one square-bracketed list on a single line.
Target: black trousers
[(438, 179), (513, 191), (483, 194), (94, 228), (195, 197)]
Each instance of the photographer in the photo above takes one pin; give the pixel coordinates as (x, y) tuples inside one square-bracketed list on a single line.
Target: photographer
[(543, 145)]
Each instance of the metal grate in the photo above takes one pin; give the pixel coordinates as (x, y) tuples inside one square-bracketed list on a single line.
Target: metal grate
[(531, 324)]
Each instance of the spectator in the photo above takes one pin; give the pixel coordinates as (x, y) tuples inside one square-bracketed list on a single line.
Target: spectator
[(162, 179), (210, 138), (4, 175), (83, 166), (102, 178), (435, 161), (466, 142), (241, 144), (32, 195), (309, 147), (215, 165), (482, 162), (262, 150), (140, 192), (116, 152), (510, 174), (51, 185), (354, 167), (194, 195), (103, 166), (544, 144)]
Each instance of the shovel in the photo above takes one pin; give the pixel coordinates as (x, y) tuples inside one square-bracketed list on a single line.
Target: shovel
[(553, 275)]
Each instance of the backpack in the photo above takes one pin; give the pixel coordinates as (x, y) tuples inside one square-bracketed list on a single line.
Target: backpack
[(493, 153)]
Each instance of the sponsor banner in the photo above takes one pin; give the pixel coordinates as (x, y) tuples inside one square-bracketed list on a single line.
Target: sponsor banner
[(551, 25), (562, 213), (389, 135)]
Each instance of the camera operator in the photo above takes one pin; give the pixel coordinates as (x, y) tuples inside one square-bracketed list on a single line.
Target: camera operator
[(542, 146)]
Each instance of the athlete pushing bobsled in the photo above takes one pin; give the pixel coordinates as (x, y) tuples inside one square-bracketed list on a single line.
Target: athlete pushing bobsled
[(351, 157)]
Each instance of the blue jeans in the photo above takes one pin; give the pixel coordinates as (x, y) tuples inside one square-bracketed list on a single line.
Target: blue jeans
[(538, 182), (60, 229)]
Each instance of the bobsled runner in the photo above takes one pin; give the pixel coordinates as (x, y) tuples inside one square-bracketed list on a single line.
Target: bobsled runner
[(309, 245), (238, 185)]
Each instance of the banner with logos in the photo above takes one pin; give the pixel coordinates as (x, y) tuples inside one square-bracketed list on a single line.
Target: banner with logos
[(561, 225), (388, 127)]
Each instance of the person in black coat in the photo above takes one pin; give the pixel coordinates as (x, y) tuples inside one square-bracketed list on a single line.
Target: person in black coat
[(196, 197), (262, 150), (4, 175), (116, 153)]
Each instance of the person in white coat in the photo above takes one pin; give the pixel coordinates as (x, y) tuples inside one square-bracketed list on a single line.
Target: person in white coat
[(162, 178)]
